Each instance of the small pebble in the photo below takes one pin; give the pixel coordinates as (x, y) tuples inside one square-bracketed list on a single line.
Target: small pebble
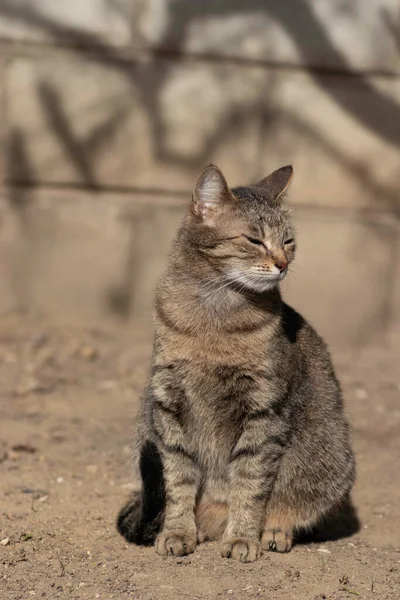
[(5, 541), (60, 479), (12, 455), (88, 352), (108, 385), (24, 448), (128, 486), (35, 492), (92, 468)]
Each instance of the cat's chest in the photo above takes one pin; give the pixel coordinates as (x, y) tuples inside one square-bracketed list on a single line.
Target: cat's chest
[(216, 402), (212, 401), (211, 430)]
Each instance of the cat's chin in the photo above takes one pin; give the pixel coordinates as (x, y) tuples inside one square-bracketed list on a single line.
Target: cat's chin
[(263, 286), (257, 283)]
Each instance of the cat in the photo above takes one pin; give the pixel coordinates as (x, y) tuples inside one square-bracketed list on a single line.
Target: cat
[(242, 435)]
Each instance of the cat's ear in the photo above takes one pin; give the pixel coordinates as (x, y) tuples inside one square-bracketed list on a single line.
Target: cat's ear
[(210, 192), (278, 182)]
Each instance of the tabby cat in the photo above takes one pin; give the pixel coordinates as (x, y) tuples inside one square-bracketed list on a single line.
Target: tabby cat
[(242, 435)]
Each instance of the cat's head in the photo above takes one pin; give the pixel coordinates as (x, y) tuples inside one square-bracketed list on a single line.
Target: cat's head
[(245, 233)]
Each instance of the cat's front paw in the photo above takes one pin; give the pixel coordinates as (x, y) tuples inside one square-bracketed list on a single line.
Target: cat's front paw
[(175, 543), (243, 549)]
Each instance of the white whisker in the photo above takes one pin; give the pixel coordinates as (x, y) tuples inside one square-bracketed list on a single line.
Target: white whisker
[(215, 292)]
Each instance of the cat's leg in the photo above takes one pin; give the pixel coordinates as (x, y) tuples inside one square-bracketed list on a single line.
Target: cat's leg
[(294, 503), (211, 521), (182, 479), (314, 478), (278, 530), (179, 534), (212, 509), (253, 467)]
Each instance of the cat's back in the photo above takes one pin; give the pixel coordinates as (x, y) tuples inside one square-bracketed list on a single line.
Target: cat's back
[(315, 386), (301, 334)]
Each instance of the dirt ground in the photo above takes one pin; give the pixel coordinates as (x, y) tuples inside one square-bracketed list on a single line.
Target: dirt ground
[(68, 397)]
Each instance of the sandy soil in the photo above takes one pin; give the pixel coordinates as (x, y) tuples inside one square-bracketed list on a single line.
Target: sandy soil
[(68, 396)]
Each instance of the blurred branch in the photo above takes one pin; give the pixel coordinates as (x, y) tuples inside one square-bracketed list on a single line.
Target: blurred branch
[(393, 29), (376, 112), (358, 169), (81, 151), (297, 17)]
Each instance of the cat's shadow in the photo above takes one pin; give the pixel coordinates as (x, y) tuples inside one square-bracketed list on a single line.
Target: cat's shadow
[(343, 523)]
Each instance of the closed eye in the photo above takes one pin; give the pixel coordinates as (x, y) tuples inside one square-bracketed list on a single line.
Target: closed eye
[(287, 242), (253, 240)]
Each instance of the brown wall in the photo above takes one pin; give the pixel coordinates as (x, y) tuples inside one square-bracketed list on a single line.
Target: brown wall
[(110, 108)]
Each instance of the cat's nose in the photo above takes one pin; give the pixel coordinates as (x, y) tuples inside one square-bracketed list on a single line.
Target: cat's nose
[(281, 265)]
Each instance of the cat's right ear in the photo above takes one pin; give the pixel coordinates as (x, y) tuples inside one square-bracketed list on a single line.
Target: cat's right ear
[(210, 192)]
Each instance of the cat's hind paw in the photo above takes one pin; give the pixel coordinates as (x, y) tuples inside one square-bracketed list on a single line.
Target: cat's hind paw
[(276, 540)]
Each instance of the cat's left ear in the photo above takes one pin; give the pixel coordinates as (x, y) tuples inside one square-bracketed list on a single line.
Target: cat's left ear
[(211, 191), (278, 182)]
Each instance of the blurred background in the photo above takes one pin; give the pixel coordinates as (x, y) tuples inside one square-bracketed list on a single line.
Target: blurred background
[(109, 109)]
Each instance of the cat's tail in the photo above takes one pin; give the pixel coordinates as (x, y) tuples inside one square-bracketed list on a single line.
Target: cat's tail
[(129, 518), (141, 518), (132, 523)]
